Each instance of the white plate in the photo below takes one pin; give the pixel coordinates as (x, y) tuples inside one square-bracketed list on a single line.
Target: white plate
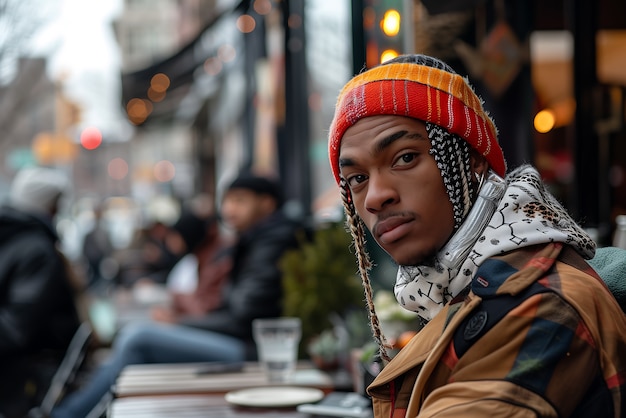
[(274, 396)]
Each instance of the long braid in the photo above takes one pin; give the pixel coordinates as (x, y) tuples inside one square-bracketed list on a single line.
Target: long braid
[(466, 175), (355, 224)]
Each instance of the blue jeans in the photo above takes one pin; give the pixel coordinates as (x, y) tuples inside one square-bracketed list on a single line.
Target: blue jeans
[(149, 342)]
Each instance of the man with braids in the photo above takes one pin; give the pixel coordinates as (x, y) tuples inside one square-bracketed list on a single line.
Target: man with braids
[(517, 324)]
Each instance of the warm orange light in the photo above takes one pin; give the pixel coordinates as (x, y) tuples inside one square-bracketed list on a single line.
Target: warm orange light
[(90, 138), (156, 96), (369, 18), (65, 148), (544, 121), (388, 54), (48, 147), (262, 7), (160, 82), (43, 147), (390, 24), (246, 23), (138, 110)]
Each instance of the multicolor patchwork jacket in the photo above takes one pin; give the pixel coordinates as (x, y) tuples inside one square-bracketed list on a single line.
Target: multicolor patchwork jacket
[(538, 335)]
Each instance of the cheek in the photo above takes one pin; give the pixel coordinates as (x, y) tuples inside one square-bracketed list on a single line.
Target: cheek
[(435, 204), (441, 222), (175, 243), (359, 206)]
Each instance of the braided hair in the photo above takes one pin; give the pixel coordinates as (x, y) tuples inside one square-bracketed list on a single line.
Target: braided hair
[(357, 229)]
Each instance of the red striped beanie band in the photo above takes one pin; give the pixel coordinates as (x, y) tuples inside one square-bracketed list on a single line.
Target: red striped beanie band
[(421, 92)]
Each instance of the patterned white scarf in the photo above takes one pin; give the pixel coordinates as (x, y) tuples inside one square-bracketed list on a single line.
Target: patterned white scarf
[(501, 220)]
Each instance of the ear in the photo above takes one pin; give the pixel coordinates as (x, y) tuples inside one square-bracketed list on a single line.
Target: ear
[(479, 165), (267, 204)]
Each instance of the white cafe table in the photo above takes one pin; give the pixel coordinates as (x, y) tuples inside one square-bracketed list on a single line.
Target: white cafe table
[(167, 390)]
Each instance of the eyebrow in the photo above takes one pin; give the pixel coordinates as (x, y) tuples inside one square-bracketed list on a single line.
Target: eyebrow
[(384, 143)]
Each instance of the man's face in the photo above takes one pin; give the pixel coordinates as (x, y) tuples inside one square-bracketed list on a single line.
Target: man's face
[(175, 242), (242, 208), (397, 187)]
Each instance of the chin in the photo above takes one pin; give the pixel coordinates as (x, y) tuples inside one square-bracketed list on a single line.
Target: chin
[(413, 259)]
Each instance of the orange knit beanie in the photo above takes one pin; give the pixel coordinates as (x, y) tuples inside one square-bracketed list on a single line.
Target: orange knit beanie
[(425, 89)]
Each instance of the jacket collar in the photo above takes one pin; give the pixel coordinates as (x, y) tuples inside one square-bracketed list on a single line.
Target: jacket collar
[(510, 273)]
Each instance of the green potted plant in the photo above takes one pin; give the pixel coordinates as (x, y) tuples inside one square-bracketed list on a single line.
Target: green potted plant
[(320, 280), (326, 349)]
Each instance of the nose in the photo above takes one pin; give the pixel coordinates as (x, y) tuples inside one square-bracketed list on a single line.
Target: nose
[(380, 193)]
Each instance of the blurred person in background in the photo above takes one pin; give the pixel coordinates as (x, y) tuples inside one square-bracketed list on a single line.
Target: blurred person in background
[(97, 251), (38, 290), (252, 207), (192, 284), (149, 258), (195, 283)]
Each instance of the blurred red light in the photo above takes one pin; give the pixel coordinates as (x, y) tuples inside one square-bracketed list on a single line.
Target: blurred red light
[(91, 138)]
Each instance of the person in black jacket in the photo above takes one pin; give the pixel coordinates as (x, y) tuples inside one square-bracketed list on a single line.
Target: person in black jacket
[(38, 314), (252, 207)]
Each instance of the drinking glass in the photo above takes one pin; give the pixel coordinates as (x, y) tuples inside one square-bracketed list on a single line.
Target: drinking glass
[(277, 341)]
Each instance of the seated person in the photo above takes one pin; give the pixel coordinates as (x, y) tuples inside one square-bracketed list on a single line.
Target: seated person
[(252, 207), (516, 323), (38, 310), (195, 283)]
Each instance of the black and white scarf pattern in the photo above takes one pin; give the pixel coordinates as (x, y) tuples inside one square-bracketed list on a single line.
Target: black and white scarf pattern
[(527, 214)]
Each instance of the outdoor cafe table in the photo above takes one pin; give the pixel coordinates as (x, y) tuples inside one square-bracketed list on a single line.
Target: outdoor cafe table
[(192, 406), (160, 390)]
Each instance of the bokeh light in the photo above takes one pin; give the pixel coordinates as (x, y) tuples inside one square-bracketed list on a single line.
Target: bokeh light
[(262, 7), (43, 147), (226, 53), (117, 168), (388, 54), (138, 110), (294, 21), (159, 82), (156, 96), (212, 66), (164, 171), (390, 24), (246, 23), (369, 18), (90, 138), (544, 121)]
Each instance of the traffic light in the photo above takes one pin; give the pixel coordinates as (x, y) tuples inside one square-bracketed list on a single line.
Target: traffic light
[(384, 26), (90, 138)]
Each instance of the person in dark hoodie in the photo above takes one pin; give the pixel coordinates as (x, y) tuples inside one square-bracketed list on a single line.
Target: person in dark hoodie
[(252, 207), (38, 313)]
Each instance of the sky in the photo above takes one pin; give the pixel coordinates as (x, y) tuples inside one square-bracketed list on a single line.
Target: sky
[(80, 45)]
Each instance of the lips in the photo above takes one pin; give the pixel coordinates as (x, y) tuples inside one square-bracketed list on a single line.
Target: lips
[(392, 229)]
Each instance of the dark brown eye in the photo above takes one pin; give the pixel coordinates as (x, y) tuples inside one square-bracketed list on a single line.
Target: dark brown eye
[(356, 179), (406, 158)]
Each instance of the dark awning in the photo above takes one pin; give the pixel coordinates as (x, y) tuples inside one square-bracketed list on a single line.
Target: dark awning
[(180, 69)]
